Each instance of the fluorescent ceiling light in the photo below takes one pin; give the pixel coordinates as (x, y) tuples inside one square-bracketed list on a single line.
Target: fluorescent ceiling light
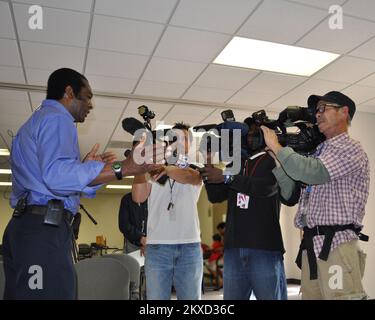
[(118, 186), (276, 57), (5, 184), (5, 171), (4, 152)]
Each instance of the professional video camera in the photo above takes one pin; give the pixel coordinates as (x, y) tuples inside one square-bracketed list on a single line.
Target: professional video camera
[(303, 139), (306, 136), (141, 131), (212, 140)]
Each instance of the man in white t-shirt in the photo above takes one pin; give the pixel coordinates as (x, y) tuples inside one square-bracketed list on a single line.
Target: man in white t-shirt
[(173, 253)]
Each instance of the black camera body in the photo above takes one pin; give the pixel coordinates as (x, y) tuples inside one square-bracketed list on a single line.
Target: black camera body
[(306, 137), (211, 141)]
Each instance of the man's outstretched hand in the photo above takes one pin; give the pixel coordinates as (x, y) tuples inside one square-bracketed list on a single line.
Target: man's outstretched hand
[(106, 157)]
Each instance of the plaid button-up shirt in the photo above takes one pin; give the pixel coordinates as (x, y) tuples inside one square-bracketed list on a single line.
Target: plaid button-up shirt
[(342, 200)]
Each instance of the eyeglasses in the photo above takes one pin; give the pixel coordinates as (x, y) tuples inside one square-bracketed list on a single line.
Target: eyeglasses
[(322, 107)]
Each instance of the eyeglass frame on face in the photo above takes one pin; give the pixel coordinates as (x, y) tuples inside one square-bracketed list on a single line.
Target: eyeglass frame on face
[(322, 107)]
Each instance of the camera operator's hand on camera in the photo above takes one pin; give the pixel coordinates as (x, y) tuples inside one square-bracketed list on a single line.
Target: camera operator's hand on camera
[(271, 140), (211, 174), (270, 152)]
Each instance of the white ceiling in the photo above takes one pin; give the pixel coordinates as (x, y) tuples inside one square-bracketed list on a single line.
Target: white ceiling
[(163, 50)]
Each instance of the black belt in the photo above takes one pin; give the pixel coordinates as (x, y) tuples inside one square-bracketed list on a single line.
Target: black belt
[(41, 210), (328, 232)]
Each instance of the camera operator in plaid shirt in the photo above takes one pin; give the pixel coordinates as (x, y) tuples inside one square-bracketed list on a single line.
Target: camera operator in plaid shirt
[(332, 202)]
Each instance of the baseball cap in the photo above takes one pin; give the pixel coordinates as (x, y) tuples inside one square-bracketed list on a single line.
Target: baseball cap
[(334, 97)]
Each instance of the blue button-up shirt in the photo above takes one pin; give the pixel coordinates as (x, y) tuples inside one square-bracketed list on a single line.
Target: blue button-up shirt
[(45, 160)]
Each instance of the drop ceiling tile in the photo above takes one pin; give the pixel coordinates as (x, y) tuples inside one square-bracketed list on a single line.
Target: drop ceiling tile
[(11, 74), (191, 115), (347, 69), (191, 45), (6, 24), (270, 82), (281, 22), (13, 103), (14, 95), (14, 107), (208, 94), (225, 77), (111, 84), (369, 103), (59, 26), (176, 71), (9, 53), (13, 121), (359, 93), (353, 33), (156, 11), (324, 4), (367, 50), (51, 57), (369, 81), (363, 9), (36, 99), (106, 63), (299, 95), (37, 77), (94, 131), (81, 5), (106, 109), (160, 89), (254, 99), (225, 16), (127, 36), (367, 107)]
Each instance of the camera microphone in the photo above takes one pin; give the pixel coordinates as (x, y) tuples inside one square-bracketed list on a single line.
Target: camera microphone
[(131, 125)]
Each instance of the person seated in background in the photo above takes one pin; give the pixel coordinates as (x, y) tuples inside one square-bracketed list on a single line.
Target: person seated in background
[(213, 260), (221, 229), (132, 221)]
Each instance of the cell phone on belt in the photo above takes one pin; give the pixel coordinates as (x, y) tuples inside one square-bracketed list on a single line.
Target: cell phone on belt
[(55, 212)]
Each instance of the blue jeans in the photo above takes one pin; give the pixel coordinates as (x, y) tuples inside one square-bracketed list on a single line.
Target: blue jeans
[(250, 270), (177, 264)]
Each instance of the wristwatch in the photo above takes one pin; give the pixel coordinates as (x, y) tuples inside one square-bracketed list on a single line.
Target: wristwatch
[(117, 169), (228, 179)]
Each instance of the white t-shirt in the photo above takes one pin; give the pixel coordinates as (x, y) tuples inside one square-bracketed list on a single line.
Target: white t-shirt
[(180, 224)]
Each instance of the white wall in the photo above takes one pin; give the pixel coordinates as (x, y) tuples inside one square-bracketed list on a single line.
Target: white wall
[(363, 129)]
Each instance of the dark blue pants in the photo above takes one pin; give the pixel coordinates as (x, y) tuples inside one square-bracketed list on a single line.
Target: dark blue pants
[(38, 259), (250, 270)]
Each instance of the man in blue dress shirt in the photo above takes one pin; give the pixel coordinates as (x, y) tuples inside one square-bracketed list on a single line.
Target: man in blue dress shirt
[(48, 179)]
